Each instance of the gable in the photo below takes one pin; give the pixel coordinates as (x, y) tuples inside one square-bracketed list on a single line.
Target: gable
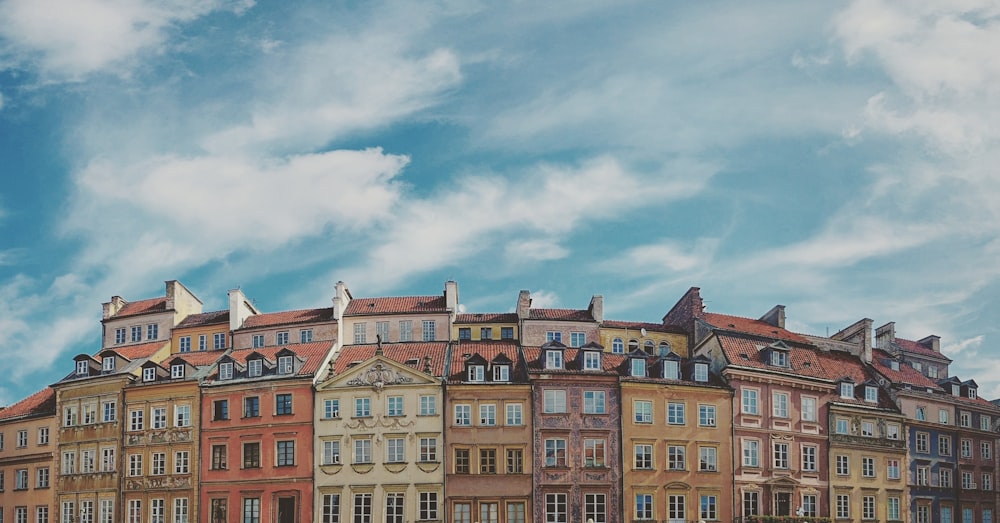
[(377, 373)]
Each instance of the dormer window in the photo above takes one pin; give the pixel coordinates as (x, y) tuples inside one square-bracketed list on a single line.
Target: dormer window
[(871, 394), (553, 359), (638, 367), (701, 372), (894, 365), (501, 373), (477, 373), (226, 370), (82, 368), (108, 364), (286, 364), (149, 374), (846, 390), (591, 360), (956, 390), (779, 358), (255, 368), (671, 369), (972, 393), (177, 371)]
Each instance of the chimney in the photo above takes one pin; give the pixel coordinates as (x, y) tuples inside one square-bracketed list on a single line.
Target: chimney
[(885, 336), (172, 294), (775, 316), (451, 297), (596, 308), (689, 307), (240, 309), (341, 297), (523, 305), (860, 333), (932, 342), (112, 307)]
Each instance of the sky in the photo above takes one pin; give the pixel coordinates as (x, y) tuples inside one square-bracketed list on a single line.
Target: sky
[(838, 158)]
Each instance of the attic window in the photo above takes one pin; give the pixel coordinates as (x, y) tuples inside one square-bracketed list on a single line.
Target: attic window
[(286, 364), (108, 363), (670, 369), (972, 393), (149, 374), (956, 390), (226, 370), (779, 358), (501, 373), (894, 365), (553, 359), (638, 367), (846, 390), (255, 368), (701, 372), (177, 371), (412, 361), (744, 356), (476, 373), (82, 368), (591, 360), (871, 394)]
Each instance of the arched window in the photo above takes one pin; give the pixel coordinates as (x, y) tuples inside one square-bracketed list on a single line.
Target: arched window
[(649, 346), (633, 344), (617, 346), (664, 348)]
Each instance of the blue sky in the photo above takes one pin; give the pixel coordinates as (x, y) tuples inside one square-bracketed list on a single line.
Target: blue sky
[(835, 157)]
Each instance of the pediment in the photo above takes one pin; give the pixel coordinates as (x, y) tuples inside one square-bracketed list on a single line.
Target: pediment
[(377, 373)]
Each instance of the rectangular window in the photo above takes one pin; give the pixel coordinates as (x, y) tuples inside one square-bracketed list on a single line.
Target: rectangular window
[(382, 330), (808, 409), (463, 415), (219, 511), (922, 473), (488, 414), (152, 331), (362, 407), (119, 335), (428, 506), (709, 507), (577, 339), (331, 408), (514, 414), (553, 359), (809, 458), (157, 509), (251, 455), (555, 401), (706, 415), (592, 360), (943, 416), (750, 401), (286, 453), (429, 334), (751, 453), (108, 461), (135, 464), (843, 465), (506, 333), (405, 330), (363, 508), (395, 450), (595, 507), (987, 481), (394, 405), (809, 504), (944, 445), (643, 506), (593, 452), (984, 422), (945, 475), (486, 333), (593, 402), (219, 341), (867, 429), (868, 507), (781, 455), (676, 457), (553, 336), (88, 463), (462, 461), (676, 507), (428, 405), (251, 510), (923, 442), (394, 507), (220, 409), (843, 506), (251, 407), (362, 451), (257, 341), (555, 452), (182, 415), (219, 457), (159, 464), (708, 460), (202, 342), (136, 333), (283, 404), (675, 413), (515, 461), (643, 456), (892, 508), (487, 461), (331, 453), (892, 469), (42, 477), (555, 508), (643, 411), (966, 448), (159, 417), (180, 510), (281, 338), (985, 450), (428, 450), (43, 432), (21, 479), (71, 416), (868, 467), (22, 437), (331, 508), (360, 336), (87, 511), (965, 419), (779, 405)]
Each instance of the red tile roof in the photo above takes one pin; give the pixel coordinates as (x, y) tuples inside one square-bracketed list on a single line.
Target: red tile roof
[(288, 317), (610, 363), (205, 318), (921, 349), (486, 317), (489, 350), (398, 352), (745, 352), (561, 314), (142, 350), (396, 305), (905, 375), (136, 308), (40, 403), (654, 327), (314, 353), (200, 359), (751, 326)]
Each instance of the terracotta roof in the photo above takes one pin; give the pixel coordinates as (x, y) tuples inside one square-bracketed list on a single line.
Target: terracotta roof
[(486, 317), (200, 359), (205, 318), (396, 305), (398, 352), (921, 349), (751, 326), (489, 350), (40, 403), (905, 375), (136, 308), (561, 314), (745, 352), (314, 353), (610, 363), (655, 327), (288, 317), (142, 350)]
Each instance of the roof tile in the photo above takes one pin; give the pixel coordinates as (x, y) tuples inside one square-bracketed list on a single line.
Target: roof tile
[(40, 403), (396, 305), (561, 314), (489, 350), (136, 308), (204, 318), (486, 317), (288, 317), (751, 326), (399, 352)]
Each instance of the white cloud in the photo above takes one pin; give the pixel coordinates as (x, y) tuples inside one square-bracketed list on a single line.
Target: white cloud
[(73, 38), (543, 299), (967, 348)]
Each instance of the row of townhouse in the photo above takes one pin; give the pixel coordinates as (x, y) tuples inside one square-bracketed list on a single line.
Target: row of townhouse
[(401, 409)]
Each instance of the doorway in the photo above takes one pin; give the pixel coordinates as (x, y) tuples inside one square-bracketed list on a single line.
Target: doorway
[(286, 510), (782, 504)]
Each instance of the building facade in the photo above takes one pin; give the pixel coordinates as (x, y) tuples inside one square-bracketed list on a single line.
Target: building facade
[(27, 441)]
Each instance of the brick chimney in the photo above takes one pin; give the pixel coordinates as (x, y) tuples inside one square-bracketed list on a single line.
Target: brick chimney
[(885, 336), (775, 316), (112, 307), (597, 308), (523, 305), (932, 342), (859, 333), (689, 307)]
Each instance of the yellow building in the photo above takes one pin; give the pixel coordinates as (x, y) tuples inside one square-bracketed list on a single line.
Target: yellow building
[(147, 321), (620, 337), (485, 326), (27, 432)]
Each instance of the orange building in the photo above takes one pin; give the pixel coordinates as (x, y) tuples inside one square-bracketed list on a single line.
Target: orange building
[(27, 431)]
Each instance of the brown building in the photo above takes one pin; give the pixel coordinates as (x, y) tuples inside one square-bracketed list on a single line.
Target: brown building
[(27, 432), (488, 434)]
